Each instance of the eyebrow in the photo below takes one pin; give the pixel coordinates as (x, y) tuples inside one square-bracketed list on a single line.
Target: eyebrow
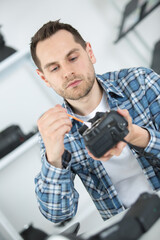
[(68, 54)]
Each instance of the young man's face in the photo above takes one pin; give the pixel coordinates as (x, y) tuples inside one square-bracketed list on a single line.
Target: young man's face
[(66, 66)]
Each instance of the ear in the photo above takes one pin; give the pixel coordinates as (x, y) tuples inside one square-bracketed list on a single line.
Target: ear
[(90, 52), (43, 77)]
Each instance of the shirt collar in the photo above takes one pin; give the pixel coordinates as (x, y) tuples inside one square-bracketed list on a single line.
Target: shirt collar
[(108, 86)]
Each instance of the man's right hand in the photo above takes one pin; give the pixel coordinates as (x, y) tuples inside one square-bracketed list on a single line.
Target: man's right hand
[(53, 125)]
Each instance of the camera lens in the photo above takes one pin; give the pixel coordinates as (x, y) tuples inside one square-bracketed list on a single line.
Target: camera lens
[(94, 125)]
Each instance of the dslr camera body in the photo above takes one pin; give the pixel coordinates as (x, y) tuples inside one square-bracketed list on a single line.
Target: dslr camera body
[(106, 131)]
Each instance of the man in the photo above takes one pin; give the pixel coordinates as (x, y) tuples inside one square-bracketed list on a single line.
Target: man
[(65, 62)]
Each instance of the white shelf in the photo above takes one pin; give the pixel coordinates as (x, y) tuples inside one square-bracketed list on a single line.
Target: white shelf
[(15, 57), (18, 151)]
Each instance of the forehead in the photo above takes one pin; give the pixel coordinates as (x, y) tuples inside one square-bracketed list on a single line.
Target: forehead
[(56, 46)]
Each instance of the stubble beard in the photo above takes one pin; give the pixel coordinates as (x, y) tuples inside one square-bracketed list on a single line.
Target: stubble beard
[(80, 91)]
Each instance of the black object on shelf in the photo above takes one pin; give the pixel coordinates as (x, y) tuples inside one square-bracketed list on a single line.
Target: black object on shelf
[(12, 137), (5, 51), (32, 233), (73, 229), (155, 64), (135, 11), (135, 223)]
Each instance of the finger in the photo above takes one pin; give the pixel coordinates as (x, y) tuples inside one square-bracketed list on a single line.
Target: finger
[(62, 131), (91, 155), (51, 117), (60, 122), (55, 135), (117, 149), (56, 109), (125, 114), (58, 119), (54, 126), (103, 158)]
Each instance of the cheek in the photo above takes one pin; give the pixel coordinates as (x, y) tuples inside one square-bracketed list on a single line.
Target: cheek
[(81, 67), (58, 86), (55, 85), (87, 65), (53, 81)]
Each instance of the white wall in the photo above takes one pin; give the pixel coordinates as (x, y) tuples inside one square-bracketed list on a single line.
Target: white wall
[(24, 97), (18, 201), (98, 21)]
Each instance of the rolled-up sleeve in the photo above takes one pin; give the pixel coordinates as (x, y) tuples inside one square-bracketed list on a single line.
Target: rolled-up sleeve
[(56, 195)]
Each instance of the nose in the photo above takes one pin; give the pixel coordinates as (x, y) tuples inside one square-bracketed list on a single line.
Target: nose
[(68, 73), (69, 76)]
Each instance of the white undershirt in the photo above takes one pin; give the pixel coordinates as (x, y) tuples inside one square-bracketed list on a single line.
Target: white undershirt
[(124, 170)]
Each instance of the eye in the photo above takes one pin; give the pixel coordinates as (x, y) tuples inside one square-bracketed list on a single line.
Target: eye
[(53, 69), (72, 59)]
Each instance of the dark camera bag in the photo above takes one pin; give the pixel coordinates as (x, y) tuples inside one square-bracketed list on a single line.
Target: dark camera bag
[(10, 138)]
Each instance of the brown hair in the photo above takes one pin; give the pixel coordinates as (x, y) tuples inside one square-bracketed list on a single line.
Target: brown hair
[(46, 31)]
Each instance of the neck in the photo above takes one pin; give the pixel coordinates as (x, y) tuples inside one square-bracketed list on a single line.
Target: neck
[(86, 105)]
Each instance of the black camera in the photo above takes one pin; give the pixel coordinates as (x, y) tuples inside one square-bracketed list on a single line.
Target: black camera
[(106, 131)]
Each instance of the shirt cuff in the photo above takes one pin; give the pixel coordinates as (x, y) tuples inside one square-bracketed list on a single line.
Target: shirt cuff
[(52, 174), (154, 143)]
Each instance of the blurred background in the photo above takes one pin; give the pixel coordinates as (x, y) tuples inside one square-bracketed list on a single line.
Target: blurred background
[(122, 34)]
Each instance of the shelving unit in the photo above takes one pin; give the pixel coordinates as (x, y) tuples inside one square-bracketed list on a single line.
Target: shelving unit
[(132, 8), (6, 64), (138, 29), (26, 99), (14, 58)]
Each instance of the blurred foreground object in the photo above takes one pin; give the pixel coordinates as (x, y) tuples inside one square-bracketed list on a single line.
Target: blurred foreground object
[(136, 222), (5, 51)]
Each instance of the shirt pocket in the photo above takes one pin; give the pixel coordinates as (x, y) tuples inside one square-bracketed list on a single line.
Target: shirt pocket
[(65, 198), (95, 188)]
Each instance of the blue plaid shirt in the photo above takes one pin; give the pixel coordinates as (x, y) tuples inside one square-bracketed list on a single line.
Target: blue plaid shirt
[(138, 91)]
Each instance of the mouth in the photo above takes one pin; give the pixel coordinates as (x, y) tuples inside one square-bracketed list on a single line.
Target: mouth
[(74, 83)]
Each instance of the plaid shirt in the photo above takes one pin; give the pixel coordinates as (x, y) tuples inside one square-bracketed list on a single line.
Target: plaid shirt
[(138, 91)]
